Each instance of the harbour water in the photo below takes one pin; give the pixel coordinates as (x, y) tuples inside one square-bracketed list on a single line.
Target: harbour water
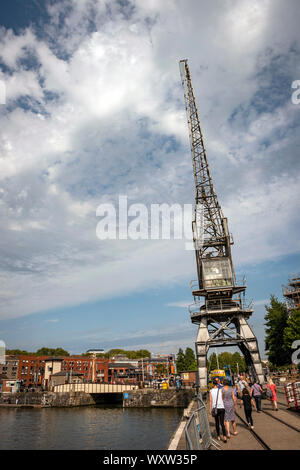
[(104, 427)]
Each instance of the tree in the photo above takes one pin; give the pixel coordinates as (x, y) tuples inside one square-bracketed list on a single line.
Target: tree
[(18, 352), (276, 321), (190, 359), (238, 363), (291, 332), (51, 352), (180, 361), (235, 361), (212, 362), (141, 353), (225, 358)]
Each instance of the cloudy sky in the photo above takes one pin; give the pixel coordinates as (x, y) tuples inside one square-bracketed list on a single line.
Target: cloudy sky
[(94, 109)]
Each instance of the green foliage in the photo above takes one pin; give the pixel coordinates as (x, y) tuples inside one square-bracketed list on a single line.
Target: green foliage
[(19, 352), (276, 322), (236, 361), (141, 353), (292, 331), (52, 352), (40, 352), (190, 359), (180, 361), (186, 361), (212, 362)]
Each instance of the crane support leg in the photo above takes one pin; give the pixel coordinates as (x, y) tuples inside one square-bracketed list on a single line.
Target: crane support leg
[(202, 342), (249, 348)]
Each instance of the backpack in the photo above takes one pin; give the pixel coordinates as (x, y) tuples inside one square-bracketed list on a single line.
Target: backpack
[(269, 392)]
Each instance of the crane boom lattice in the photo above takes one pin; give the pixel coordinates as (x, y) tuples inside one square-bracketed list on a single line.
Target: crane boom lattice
[(222, 318)]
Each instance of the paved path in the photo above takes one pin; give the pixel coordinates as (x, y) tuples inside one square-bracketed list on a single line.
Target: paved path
[(275, 433)]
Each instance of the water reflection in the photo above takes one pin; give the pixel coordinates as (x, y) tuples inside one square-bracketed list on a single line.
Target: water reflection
[(100, 427)]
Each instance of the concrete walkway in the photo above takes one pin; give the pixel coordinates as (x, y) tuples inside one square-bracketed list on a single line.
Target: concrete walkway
[(274, 432)]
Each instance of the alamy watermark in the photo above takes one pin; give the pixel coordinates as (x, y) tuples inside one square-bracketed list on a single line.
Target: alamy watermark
[(156, 222), (2, 352), (2, 92), (296, 354), (296, 94)]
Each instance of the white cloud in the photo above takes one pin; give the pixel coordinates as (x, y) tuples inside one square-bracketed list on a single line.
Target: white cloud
[(105, 116), (180, 304)]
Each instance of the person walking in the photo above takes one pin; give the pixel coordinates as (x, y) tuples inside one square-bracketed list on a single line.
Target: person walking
[(241, 385), (246, 400), (219, 383), (217, 409), (272, 387), (230, 404), (257, 394)]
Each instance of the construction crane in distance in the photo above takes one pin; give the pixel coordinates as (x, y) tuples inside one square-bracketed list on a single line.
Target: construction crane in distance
[(222, 317)]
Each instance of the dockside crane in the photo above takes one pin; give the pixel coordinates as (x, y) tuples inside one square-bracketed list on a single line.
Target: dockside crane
[(222, 315)]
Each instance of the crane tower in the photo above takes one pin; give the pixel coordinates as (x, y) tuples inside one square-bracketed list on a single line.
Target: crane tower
[(222, 315)]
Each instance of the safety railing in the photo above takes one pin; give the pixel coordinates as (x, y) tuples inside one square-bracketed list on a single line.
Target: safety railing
[(213, 283), (291, 290), (197, 429), (243, 305)]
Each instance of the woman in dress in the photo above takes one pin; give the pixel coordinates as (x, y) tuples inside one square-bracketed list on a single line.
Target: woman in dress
[(216, 401), (230, 404), (273, 399), (257, 394)]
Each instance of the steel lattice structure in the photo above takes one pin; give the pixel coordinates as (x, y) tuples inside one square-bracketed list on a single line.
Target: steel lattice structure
[(222, 319)]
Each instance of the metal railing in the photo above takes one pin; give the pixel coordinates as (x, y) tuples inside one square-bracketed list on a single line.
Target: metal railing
[(291, 290), (213, 283), (197, 429), (242, 305)]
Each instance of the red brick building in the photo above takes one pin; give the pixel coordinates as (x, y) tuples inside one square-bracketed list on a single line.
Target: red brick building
[(31, 369), (122, 373), (93, 370), (158, 366)]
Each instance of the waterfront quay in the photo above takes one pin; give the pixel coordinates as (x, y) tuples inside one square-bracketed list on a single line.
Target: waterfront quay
[(272, 430), (122, 395)]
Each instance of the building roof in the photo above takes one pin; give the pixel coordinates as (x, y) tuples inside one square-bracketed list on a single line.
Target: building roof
[(65, 372), (154, 360), (123, 365)]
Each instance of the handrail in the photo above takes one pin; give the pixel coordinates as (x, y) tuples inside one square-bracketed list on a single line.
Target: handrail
[(197, 429), (246, 305), (238, 282), (291, 290)]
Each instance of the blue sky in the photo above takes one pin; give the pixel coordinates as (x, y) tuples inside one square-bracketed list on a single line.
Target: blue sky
[(95, 109)]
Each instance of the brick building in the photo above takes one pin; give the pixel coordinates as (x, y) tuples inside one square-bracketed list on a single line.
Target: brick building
[(159, 366), (93, 369), (122, 373), (188, 377), (9, 370), (31, 369)]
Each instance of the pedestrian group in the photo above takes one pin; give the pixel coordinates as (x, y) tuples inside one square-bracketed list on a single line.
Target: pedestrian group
[(223, 402)]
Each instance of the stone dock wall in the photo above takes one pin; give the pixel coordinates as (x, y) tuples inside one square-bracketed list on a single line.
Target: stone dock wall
[(148, 398), (144, 398)]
